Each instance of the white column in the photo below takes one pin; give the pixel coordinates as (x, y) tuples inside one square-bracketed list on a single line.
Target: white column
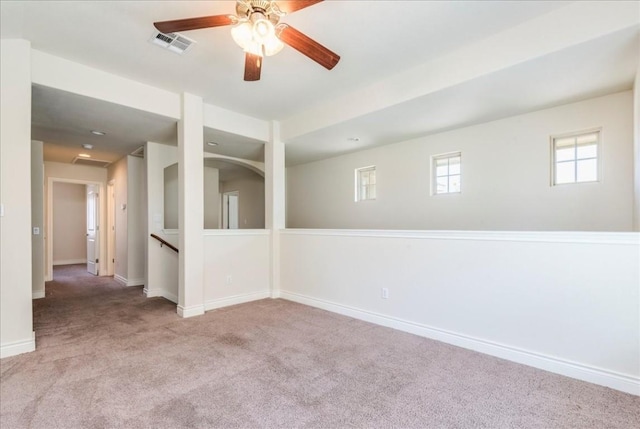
[(636, 152), (275, 200), (191, 207), (16, 319)]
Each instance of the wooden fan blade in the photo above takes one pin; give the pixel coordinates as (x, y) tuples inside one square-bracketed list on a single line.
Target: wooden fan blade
[(194, 23), (307, 46), (293, 5), (252, 67)]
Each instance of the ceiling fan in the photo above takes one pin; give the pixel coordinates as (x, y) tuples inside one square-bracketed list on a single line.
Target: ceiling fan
[(257, 29)]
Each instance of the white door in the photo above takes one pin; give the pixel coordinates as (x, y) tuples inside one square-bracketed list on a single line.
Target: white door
[(92, 229), (230, 210)]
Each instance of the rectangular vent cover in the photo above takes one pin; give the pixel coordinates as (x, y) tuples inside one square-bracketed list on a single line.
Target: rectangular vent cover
[(91, 162), (174, 42)]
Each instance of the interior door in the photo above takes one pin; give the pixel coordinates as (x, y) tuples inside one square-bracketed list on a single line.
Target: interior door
[(92, 229), (230, 210)]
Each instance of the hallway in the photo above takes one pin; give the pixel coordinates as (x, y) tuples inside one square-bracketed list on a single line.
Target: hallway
[(80, 308)]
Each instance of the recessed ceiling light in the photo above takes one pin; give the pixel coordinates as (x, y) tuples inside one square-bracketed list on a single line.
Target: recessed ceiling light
[(354, 139), (98, 133), (212, 143), (84, 155), (87, 146)]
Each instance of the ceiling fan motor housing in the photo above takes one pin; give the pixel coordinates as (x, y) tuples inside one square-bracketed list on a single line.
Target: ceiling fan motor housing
[(244, 9)]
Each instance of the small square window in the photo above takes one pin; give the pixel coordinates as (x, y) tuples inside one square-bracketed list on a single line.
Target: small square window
[(447, 173), (366, 183), (575, 158)]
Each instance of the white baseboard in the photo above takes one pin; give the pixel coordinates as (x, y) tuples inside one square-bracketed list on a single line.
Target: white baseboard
[(70, 261), (18, 347), (194, 310), (236, 299), (126, 282), (135, 282), (152, 293), (37, 294), (567, 368)]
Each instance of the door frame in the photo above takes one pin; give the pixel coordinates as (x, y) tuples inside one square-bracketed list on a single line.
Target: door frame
[(49, 233), (111, 227)]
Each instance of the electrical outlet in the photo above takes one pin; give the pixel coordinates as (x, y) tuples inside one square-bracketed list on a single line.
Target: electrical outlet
[(229, 279), (36, 230), (384, 293)]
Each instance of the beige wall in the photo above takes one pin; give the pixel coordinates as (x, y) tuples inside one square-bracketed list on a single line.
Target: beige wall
[(250, 201), (16, 324), (69, 223), (211, 198), (171, 197), (505, 178)]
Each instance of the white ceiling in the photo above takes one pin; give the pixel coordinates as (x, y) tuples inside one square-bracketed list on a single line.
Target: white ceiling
[(376, 39)]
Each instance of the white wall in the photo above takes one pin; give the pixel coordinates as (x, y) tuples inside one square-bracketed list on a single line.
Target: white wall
[(566, 302), (69, 223), (16, 324), (211, 198), (250, 200), (37, 219), (118, 173), (636, 151), (236, 267), (505, 182), (136, 221), (162, 262)]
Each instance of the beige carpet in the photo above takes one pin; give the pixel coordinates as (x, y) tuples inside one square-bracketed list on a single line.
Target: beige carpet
[(109, 358)]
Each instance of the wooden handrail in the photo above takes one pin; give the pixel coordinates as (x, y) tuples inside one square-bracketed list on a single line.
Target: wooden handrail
[(165, 242)]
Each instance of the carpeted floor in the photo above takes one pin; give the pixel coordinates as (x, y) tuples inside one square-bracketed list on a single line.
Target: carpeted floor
[(107, 357)]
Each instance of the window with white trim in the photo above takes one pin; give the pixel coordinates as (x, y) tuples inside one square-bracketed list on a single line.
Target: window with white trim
[(447, 172), (575, 157), (366, 183)]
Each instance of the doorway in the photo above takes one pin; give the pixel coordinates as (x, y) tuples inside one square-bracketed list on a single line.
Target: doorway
[(230, 209), (93, 236)]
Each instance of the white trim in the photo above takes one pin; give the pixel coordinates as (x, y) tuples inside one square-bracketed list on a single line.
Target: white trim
[(567, 368), (194, 310), (126, 282), (135, 282), (236, 299), (619, 238), (18, 347), (69, 262), (152, 293), (171, 231), (37, 294), (235, 232)]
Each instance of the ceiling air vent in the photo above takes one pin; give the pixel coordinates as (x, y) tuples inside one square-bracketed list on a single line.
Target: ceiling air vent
[(90, 162), (174, 42)]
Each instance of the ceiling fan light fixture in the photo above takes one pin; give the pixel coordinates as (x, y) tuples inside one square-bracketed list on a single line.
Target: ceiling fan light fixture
[(272, 46), (242, 34), (263, 29)]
